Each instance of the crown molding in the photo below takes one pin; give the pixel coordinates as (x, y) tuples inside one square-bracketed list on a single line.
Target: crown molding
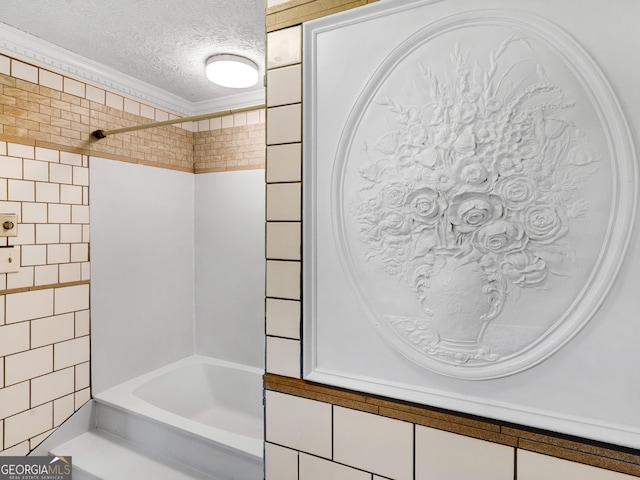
[(32, 49)]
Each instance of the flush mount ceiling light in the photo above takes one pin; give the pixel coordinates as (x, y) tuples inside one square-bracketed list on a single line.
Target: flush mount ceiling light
[(232, 71)]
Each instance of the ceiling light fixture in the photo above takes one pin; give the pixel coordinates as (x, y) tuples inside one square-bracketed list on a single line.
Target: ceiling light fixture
[(232, 71)]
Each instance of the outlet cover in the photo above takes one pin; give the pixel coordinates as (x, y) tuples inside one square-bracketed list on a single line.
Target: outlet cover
[(9, 261)]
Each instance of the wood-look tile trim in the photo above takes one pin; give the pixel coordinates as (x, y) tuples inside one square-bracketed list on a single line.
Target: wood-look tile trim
[(296, 12), (44, 287), (610, 457)]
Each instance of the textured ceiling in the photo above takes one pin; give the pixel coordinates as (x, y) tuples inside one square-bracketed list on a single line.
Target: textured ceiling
[(160, 42)]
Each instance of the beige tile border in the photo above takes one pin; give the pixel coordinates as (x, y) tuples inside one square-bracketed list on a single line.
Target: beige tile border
[(295, 12), (44, 287), (610, 457)]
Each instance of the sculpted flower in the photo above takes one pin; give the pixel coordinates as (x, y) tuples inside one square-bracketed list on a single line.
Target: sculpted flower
[(471, 210), (395, 224), (464, 112), (544, 224), (524, 269), (465, 144), (426, 206), (394, 194), (476, 176), (443, 137), (516, 191), (416, 136), (441, 180), (500, 236), (484, 132), (508, 163)]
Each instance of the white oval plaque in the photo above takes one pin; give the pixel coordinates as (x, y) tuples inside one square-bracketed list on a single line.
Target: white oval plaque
[(484, 193)]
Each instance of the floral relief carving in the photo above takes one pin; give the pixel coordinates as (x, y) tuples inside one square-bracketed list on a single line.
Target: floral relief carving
[(472, 194)]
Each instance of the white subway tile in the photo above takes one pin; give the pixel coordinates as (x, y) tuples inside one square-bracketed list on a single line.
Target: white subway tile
[(21, 279), (203, 125), (71, 194), (80, 176), (73, 87), (85, 270), (71, 352), (28, 424), (131, 106), (283, 279), (253, 117), (283, 318), (95, 94), (3, 188), (70, 233), (63, 408), (280, 463), (373, 443), (283, 357), (59, 213), (10, 167), (35, 441), (47, 154), (46, 275), (26, 235), (14, 338), (298, 423), (284, 240), (239, 119), (115, 101), (14, 399), (21, 191), (33, 213), (535, 466), (215, 123), (161, 116), (19, 150), (50, 330), (79, 214), (86, 233), (70, 299), (448, 455), (36, 170), (227, 121), (51, 386), (83, 375), (284, 124), (33, 255), (60, 173), (3, 282), (70, 158), (79, 252), (82, 323), (47, 233), (5, 65), (284, 86), (147, 111), (47, 192), (58, 253), (85, 195), (314, 468), (2, 301), (283, 201), (81, 397), (20, 450), (50, 80), (284, 47), (70, 272), (24, 71), (27, 365), (29, 305)]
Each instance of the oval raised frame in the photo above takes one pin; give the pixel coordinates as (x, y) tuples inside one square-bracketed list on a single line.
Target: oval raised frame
[(622, 159)]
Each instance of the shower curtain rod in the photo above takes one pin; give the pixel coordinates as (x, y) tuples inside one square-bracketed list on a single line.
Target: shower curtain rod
[(104, 133)]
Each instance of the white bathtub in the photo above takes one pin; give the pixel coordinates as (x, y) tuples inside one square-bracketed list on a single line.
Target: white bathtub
[(220, 401)]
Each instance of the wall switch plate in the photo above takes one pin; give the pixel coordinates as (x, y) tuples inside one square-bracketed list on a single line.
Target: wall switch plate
[(9, 261), (8, 225)]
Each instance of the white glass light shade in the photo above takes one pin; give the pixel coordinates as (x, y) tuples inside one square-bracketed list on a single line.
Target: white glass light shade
[(232, 71)]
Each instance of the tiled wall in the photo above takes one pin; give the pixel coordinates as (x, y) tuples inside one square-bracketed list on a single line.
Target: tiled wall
[(317, 432), (46, 119), (44, 314)]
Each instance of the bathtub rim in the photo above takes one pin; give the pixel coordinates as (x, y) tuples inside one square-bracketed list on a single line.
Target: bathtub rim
[(121, 396)]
